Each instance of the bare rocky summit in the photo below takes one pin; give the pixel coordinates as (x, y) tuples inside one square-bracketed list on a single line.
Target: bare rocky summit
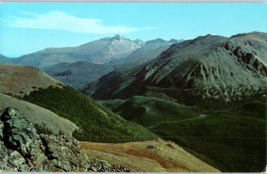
[(22, 149)]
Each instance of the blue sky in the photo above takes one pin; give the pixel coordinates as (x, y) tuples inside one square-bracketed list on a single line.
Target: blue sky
[(30, 27)]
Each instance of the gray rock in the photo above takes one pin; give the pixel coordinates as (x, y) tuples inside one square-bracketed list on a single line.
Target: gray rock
[(66, 152), (1, 130), (22, 149)]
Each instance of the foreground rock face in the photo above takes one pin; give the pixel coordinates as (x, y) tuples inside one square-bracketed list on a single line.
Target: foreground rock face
[(22, 149)]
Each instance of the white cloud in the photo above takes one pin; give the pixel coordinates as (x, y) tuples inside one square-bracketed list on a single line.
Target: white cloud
[(62, 21), (149, 28)]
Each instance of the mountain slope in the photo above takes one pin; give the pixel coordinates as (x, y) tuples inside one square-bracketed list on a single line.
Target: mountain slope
[(27, 150), (147, 156), (98, 51), (78, 73), (20, 80), (208, 69), (229, 140), (96, 123), (148, 111), (38, 115), (6, 60), (149, 51)]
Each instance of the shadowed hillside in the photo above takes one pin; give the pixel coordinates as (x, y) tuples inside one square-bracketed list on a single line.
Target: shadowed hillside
[(77, 74)]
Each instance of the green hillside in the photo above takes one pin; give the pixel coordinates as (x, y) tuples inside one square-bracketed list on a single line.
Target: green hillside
[(149, 111), (230, 140), (98, 123)]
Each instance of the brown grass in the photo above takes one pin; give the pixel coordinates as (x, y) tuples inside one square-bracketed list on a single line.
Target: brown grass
[(138, 158), (21, 80)]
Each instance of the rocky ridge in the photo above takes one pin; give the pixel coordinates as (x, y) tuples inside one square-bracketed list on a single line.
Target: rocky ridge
[(24, 150)]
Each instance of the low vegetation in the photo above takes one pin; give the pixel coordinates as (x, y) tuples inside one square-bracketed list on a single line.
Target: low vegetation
[(230, 140), (97, 123), (149, 111)]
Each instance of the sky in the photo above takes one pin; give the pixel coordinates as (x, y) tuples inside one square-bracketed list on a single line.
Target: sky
[(29, 27)]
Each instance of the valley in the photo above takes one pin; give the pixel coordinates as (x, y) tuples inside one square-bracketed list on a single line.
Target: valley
[(196, 105)]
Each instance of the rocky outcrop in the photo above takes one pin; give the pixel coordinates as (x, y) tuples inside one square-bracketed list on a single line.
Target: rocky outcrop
[(22, 149)]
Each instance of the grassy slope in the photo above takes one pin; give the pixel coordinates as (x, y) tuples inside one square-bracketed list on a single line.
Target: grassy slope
[(97, 122), (149, 111), (231, 140)]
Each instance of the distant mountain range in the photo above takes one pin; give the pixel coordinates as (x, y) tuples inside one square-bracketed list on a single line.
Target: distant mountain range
[(77, 66), (98, 51), (79, 73), (208, 68)]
